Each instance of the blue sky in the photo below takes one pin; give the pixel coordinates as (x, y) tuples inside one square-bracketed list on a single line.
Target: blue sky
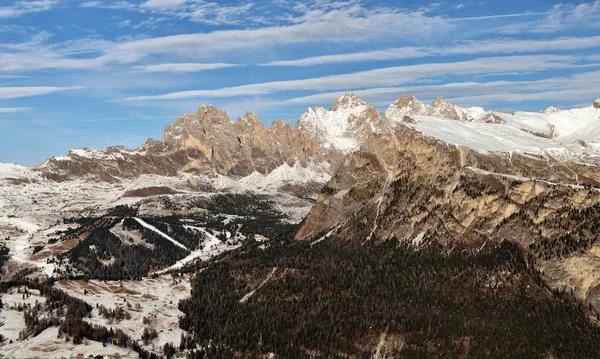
[(101, 73)]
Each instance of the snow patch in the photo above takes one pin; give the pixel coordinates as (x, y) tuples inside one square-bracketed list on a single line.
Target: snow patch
[(286, 174), (418, 239)]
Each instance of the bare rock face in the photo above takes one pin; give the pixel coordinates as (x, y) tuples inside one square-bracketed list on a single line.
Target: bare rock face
[(404, 184), (444, 109), (597, 103), (206, 142)]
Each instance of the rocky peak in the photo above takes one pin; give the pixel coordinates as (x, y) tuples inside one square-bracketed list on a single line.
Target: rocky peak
[(410, 103), (406, 106), (152, 146), (186, 125), (491, 117), (208, 114), (250, 123), (597, 103), (116, 149), (444, 109), (441, 102), (341, 128), (279, 126), (348, 100), (551, 109)]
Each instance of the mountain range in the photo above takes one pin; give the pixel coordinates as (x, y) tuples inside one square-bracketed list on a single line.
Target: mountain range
[(514, 195), (210, 142)]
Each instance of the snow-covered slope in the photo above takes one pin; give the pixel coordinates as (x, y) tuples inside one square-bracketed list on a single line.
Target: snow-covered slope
[(570, 135), (15, 171), (286, 174), (343, 127), (32, 207)]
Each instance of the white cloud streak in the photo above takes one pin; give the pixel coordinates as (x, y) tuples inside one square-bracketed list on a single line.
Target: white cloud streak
[(17, 92), (163, 4), (385, 76), (114, 5), (572, 88), (14, 109), (343, 23), (495, 46), (24, 7), (184, 67)]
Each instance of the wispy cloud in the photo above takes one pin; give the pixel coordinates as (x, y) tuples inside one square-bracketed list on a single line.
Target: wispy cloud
[(215, 13), (569, 15), (14, 109), (575, 87), (499, 16), (163, 4), (23, 7), (492, 46), (343, 23), (389, 76), (124, 23), (114, 5), (16, 92), (184, 67), (331, 23)]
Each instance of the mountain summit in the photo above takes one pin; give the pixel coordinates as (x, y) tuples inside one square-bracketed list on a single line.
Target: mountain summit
[(342, 128)]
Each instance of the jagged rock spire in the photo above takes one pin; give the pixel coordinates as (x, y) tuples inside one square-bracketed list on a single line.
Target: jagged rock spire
[(348, 100)]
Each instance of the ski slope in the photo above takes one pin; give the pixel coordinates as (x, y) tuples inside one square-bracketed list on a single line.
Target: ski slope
[(162, 234), (212, 247)]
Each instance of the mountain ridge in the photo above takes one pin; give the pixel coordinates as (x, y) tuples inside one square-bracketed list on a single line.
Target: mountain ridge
[(210, 140)]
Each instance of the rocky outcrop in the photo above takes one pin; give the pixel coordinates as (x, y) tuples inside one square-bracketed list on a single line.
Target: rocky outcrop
[(406, 106), (206, 142), (210, 141), (237, 148), (441, 108), (551, 109), (597, 103)]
